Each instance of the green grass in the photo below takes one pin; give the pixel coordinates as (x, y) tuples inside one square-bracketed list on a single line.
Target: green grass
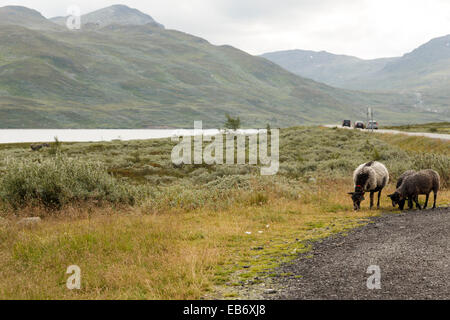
[(198, 231), (417, 145), (436, 127), (330, 153)]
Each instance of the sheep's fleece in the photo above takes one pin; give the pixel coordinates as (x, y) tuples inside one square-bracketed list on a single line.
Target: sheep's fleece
[(376, 173)]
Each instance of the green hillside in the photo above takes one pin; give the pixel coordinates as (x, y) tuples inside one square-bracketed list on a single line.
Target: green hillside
[(116, 14), (17, 15), (424, 72), (325, 67), (140, 76)]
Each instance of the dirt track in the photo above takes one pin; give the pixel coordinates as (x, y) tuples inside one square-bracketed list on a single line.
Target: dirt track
[(412, 250)]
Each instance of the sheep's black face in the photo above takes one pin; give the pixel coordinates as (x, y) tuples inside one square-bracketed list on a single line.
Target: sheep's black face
[(396, 199), (357, 198)]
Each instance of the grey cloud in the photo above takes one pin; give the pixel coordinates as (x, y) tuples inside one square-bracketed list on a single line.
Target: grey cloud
[(366, 28)]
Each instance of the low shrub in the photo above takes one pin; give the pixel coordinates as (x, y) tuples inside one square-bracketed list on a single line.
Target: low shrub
[(437, 162), (56, 181)]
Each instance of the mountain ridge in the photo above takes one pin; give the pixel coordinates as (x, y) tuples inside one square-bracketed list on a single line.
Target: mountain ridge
[(116, 14), (333, 69), (425, 72), (140, 76), (25, 17)]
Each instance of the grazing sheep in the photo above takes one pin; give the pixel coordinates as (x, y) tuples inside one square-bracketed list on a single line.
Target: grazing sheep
[(369, 177), (422, 182), (37, 147), (401, 203)]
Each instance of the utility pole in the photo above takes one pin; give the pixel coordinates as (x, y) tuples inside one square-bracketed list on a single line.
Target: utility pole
[(370, 117)]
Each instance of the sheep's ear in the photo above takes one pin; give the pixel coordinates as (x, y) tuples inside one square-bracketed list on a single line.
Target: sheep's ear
[(351, 193)]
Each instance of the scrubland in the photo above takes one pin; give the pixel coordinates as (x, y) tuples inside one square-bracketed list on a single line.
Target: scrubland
[(140, 227), (435, 127)]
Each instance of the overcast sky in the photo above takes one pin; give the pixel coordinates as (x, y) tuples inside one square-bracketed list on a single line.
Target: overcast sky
[(364, 28)]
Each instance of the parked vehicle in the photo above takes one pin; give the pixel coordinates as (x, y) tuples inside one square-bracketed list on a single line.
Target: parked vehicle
[(372, 125), (347, 123), (360, 125)]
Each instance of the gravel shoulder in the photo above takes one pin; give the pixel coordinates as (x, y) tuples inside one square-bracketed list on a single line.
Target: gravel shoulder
[(412, 250)]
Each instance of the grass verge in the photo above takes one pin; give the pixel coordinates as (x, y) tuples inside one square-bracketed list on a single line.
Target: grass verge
[(435, 127)]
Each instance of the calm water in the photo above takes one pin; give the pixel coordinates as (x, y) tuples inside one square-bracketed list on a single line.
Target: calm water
[(93, 135)]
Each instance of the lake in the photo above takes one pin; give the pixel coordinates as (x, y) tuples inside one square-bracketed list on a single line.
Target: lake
[(96, 135)]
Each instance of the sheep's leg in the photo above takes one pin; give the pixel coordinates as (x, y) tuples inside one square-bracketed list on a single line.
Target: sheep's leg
[(410, 203), (371, 199), (416, 200), (435, 197), (426, 200), (379, 197)]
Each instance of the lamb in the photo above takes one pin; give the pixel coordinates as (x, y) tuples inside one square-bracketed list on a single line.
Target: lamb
[(369, 177), (400, 180), (422, 182)]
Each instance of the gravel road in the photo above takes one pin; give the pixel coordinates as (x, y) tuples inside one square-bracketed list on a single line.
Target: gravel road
[(412, 250)]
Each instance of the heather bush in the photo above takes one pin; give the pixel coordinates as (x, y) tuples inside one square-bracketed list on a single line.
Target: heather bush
[(437, 162), (56, 181), (131, 171)]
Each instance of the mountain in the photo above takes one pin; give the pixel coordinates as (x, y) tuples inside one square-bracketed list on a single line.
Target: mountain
[(427, 68), (28, 18), (116, 14), (143, 76), (332, 69), (424, 72)]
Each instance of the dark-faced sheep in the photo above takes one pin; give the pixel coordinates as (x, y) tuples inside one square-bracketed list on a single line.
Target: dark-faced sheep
[(401, 203), (369, 177), (422, 182)]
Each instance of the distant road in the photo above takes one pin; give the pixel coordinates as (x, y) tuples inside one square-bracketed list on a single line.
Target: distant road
[(420, 134)]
